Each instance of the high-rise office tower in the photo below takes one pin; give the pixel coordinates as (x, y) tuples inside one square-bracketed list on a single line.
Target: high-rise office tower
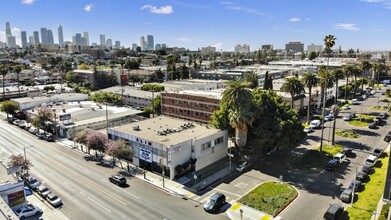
[(60, 36), (36, 37), (102, 40), (164, 46), (31, 40), (150, 43), (11, 41), (49, 37), (44, 36), (87, 38), (23, 36), (109, 43), (7, 29), (142, 43), (134, 46), (117, 44), (78, 39), (83, 41), (158, 47)]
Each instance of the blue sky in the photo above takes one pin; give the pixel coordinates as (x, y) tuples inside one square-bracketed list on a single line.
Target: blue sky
[(363, 24)]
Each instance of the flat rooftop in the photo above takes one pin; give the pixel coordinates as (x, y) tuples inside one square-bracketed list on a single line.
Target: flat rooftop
[(213, 94), (148, 129), (130, 91)]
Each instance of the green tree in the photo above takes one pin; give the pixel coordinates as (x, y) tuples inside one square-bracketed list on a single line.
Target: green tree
[(294, 86), (266, 83), (312, 55), (4, 68), (303, 56), (378, 68), (365, 66), (348, 71), (326, 81), (310, 80), (337, 74), (81, 136), (252, 80), (335, 111), (44, 115), (83, 66), (9, 107), (17, 69), (238, 98), (157, 105)]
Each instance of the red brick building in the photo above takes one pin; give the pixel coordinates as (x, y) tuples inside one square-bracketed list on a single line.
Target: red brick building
[(191, 105)]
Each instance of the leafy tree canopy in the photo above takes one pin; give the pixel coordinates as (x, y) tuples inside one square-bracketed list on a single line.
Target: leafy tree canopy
[(9, 107)]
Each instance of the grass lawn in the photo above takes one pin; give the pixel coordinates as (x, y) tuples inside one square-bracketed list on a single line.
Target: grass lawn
[(381, 108), (365, 120), (270, 197), (347, 133), (368, 199), (314, 160)]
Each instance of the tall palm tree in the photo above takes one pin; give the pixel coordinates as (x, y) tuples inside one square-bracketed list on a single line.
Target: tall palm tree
[(356, 73), (3, 71), (310, 80), (326, 77), (294, 86), (238, 98), (348, 72), (17, 69), (378, 68), (365, 66), (337, 74)]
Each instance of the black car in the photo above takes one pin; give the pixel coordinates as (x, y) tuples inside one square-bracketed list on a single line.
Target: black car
[(332, 165), (118, 180), (361, 176), (372, 125), (49, 138), (346, 195), (214, 202), (387, 138), (92, 158), (355, 184), (334, 212), (367, 169), (105, 163), (347, 151)]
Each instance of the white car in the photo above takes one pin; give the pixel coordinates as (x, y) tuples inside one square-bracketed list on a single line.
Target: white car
[(53, 199), (308, 130), (43, 191), (340, 157), (33, 130), (243, 166), (355, 102), (28, 211), (32, 182), (346, 107)]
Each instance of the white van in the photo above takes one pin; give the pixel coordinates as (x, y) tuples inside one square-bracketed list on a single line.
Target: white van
[(315, 124)]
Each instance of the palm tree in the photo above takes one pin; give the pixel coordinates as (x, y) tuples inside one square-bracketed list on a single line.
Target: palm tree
[(239, 98), (326, 78), (3, 71), (338, 74), (378, 68), (335, 111), (18, 69), (348, 72), (294, 86), (356, 73), (310, 80), (365, 66)]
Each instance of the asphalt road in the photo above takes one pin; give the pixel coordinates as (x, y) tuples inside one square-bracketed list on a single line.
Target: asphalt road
[(84, 186)]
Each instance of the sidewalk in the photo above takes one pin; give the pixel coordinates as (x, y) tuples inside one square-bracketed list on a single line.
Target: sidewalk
[(242, 212)]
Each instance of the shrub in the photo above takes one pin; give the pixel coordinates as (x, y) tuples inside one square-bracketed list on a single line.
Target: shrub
[(384, 211)]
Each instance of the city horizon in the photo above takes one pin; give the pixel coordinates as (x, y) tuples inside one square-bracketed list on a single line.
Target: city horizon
[(220, 24)]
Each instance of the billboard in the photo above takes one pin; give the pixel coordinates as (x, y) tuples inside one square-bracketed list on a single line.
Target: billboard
[(65, 117), (145, 155)]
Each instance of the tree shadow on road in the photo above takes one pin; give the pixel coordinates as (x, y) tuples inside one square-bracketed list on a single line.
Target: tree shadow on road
[(365, 132), (354, 145)]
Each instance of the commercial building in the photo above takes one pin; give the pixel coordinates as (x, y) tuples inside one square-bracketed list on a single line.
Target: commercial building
[(86, 39), (173, 145), (150, 42), (267, 47), (143, 44), (60, 36), (242, 48), (102, 40), (209, 49), (191, 105), (132, 96), (23, 36), (314, 48), (294, 46)]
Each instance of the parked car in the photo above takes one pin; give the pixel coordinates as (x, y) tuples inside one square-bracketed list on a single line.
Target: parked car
[(92, 158), (346, 107), (347, 151), (349, 117), (214, 202), (242, 166), (43, 191), (371, 160), (332, 165), (54, 200), (16, 122), (382, 116), (340, 158), (355, 102), (367, 169), (28, 211), (334, 212), (28, 191), (33, 130), (40, 134), (105, 163), (32, 182), (355, 184), (346, 195), (378, 152), (372, 125), (387, 138), (22, 124), (361, 176), (328, 118), (308, 130), (118, 179), (28, 126), (49, 137)]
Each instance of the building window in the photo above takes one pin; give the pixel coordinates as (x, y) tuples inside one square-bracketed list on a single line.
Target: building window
[(206, 145), (219, 140)]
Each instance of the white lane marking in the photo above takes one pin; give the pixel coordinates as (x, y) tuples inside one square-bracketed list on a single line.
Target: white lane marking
[(58, 156), (228, 192), (66, 183), (98, 203), (83, 194), (129, 193)]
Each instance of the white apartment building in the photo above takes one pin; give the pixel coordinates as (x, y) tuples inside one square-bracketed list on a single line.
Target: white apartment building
[(242, 48)]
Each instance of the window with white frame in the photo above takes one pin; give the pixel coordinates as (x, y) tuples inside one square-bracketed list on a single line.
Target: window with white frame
[(206, 145)]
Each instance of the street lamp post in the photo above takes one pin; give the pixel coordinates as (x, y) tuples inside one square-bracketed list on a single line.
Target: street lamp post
[(25, 156), (354, 187)]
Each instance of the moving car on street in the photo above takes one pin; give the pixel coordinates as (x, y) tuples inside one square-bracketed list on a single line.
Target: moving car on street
[(243, 166), (118, 179), (214, 202)]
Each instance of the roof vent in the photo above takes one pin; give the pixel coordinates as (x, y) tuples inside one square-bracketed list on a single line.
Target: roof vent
[(136, 127), (63, 110)]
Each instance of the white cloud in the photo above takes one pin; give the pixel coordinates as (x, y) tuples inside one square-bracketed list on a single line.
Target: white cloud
[(247, 10), (226, 3), (162, 10), (88, 7), (349, 27), (28, 2), (295, 19)]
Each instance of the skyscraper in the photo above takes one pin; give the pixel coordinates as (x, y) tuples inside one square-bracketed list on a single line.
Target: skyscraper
[(117, 44), (36, 37), (44, 36), (109, 44), (142, 43), (11, 41), (60, 36), (87, 38), (23, 35), (49, 37), (102, 40), (7, 29), (78, 39), (150, 43)]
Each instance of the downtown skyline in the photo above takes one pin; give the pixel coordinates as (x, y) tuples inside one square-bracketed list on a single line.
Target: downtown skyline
[(194, 24)]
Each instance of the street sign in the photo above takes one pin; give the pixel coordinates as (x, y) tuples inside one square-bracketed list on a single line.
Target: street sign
[(64, 117), (145, 155)]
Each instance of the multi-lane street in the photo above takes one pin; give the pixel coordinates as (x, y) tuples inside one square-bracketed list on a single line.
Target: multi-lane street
[(84, 186)]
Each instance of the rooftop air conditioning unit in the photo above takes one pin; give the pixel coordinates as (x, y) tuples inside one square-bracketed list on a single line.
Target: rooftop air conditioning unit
[(63, 110), (136, 127)]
